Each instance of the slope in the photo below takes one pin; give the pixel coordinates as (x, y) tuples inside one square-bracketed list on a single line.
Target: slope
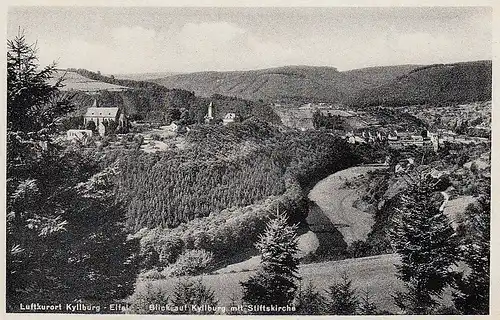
[(284, 83), (298, 83), (441, 83), (392, 85)]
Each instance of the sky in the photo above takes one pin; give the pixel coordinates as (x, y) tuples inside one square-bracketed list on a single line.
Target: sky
[(119, 40)]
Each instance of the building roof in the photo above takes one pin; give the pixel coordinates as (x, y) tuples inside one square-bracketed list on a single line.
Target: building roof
[(102, 112), (230, 116)]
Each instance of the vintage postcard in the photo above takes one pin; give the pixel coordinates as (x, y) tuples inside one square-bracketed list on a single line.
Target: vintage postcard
[(248, 160)]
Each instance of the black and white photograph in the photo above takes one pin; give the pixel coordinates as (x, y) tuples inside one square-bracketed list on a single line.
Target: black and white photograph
[(248, 160)]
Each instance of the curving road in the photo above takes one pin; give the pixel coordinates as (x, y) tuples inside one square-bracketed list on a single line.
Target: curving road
[(336, 201)]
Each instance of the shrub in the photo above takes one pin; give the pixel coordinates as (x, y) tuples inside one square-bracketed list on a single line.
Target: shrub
[(152, 274), (194, 294), (192, 262), (149, 257), (145, 296), (170, 249)]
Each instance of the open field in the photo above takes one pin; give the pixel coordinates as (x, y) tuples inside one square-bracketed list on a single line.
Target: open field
[(374, 274), (74, 81)]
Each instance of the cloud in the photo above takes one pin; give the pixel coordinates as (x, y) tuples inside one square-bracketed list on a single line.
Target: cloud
[(209, 33), (132, 34), (222, 45)]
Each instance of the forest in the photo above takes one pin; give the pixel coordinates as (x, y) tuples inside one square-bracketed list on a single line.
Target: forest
[(222, 167)]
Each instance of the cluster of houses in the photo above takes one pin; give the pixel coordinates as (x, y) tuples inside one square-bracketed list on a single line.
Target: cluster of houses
[(426, 139), (103, 116)]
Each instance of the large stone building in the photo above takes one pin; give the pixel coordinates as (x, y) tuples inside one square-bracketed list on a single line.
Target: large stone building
[(100, 115)]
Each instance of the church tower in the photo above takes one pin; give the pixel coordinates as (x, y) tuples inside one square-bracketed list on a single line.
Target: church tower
[(209, 117)]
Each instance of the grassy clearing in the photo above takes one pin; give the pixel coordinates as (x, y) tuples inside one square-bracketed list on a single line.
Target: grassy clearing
[(74, 81), (375, 274)]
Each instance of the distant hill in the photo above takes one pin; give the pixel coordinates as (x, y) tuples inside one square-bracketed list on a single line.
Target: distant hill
[(441, 83), (374, 76), (284, 83), (143, 76), (299, 83), (367, 86)]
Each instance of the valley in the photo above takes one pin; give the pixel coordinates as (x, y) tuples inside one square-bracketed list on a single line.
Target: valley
[(300, 183)]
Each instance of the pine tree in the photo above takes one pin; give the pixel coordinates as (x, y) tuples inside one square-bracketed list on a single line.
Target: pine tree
[(427, 244), (275, 281), (32, 102), (366, 305), (65, 238), (472, 296), (309, 301), (341, 298)]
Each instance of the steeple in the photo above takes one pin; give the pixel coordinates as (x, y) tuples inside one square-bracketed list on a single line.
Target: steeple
[(210, 109), (209, 116), (95, 105)]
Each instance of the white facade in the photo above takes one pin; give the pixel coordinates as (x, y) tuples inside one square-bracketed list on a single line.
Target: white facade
[(77, 134), (230, 117)]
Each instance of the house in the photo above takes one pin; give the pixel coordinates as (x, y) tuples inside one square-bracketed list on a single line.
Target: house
[(228, 118), (78, 134), (403, 139)]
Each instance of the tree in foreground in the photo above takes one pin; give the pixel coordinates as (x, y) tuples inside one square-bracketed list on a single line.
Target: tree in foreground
[(428, 247), (65, 236), (309, 301), (275, 281), (473, 292), (341, 298)]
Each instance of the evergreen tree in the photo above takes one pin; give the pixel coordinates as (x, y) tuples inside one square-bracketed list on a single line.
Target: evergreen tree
[(275, 281), (309, 301), (65, 238), (33, 103), (366, 305), (427, 245), (341, 298), (473, 289)]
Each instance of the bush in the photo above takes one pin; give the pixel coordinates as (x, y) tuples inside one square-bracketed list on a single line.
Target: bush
[(170, 249), (152, 274), (145, 296), (149, 257), (194, 294), (192, 262)]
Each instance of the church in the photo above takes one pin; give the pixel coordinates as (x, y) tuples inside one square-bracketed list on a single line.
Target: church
[(100, 115)]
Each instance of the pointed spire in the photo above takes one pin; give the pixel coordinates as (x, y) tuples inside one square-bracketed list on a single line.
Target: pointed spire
[(95, 103)]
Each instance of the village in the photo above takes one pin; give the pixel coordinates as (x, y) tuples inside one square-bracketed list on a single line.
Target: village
[(100, 122)]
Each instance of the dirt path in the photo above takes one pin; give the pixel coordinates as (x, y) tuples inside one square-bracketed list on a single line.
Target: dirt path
[(336, 200)]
